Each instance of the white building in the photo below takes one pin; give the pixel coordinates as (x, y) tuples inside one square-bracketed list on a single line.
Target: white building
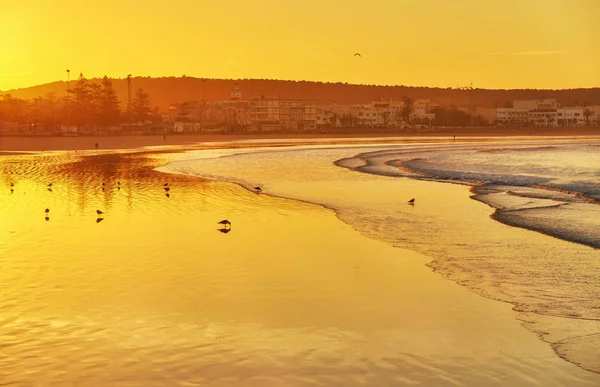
[(532, 104), (543, 113), (512, 115), (570, 116), (272, 113)]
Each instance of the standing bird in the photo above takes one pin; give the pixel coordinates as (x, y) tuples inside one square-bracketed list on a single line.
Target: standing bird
[(167, 189), (225, 223), (411, 201), (258, 189), (119, 182), (99, 212)]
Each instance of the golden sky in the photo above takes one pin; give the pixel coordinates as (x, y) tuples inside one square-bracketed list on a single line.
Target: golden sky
[(492, 43)]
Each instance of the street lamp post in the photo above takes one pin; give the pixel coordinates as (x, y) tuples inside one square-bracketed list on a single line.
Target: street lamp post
[(68, 98), (129, 102)]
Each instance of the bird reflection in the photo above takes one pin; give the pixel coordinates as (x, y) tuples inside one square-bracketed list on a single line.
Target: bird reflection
[(224, 230), (99, 220), (47, 218), (50, 189), (411, 201), (167, 195)]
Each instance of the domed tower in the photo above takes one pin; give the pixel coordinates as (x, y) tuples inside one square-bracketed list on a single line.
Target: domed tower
[(236, 93)]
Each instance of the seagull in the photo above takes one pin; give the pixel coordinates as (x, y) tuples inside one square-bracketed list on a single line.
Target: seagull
[(411, 201), (258, 189), (99, 212), (357, 54)]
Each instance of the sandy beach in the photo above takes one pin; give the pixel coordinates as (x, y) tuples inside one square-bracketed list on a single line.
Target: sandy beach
[(152, 293), (16, 143)]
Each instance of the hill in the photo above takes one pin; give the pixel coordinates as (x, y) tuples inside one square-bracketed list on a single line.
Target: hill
[(167, 90)]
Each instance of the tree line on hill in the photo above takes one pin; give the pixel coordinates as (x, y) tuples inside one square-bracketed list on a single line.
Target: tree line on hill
[(168, 90), (85, 105)]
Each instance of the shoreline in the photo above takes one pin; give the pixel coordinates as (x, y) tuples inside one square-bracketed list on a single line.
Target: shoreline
[(277, 291), (50, 143), (439, 266)]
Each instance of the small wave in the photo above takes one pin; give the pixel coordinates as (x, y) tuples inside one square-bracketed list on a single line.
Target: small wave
[(513, 150)]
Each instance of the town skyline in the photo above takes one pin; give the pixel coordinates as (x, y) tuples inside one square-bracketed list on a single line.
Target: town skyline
[(487, 43)]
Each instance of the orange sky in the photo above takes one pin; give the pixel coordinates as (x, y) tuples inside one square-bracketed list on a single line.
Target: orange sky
[(492, 43)]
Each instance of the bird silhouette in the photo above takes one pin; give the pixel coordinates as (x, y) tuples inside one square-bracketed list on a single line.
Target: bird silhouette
[(103, 184), (99, 220), (47, 218), (167, 195), (50, 189), (119, 182), (411, 201), (12, 184), (99, 212), (258, 189), (47, 210), (167, 189), (358, 54), (166, 185), (224, 230), (12, 190), (50, 185), (225, 223)]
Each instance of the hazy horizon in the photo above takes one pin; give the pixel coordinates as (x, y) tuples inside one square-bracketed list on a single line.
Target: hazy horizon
[(432, 43), (75, 75)]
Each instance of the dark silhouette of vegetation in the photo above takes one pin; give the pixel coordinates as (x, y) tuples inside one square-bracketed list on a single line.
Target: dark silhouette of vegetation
[(140, 106), (168, 90)]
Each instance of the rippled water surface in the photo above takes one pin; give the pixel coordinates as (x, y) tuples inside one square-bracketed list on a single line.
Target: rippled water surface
[(554, 284), (151, 293)]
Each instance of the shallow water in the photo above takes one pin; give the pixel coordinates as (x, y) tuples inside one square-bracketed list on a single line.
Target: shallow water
[(154, 294), (554, 284)]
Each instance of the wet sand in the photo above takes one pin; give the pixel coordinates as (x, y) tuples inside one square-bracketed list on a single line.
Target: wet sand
[(154, 295), (16, 143)]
